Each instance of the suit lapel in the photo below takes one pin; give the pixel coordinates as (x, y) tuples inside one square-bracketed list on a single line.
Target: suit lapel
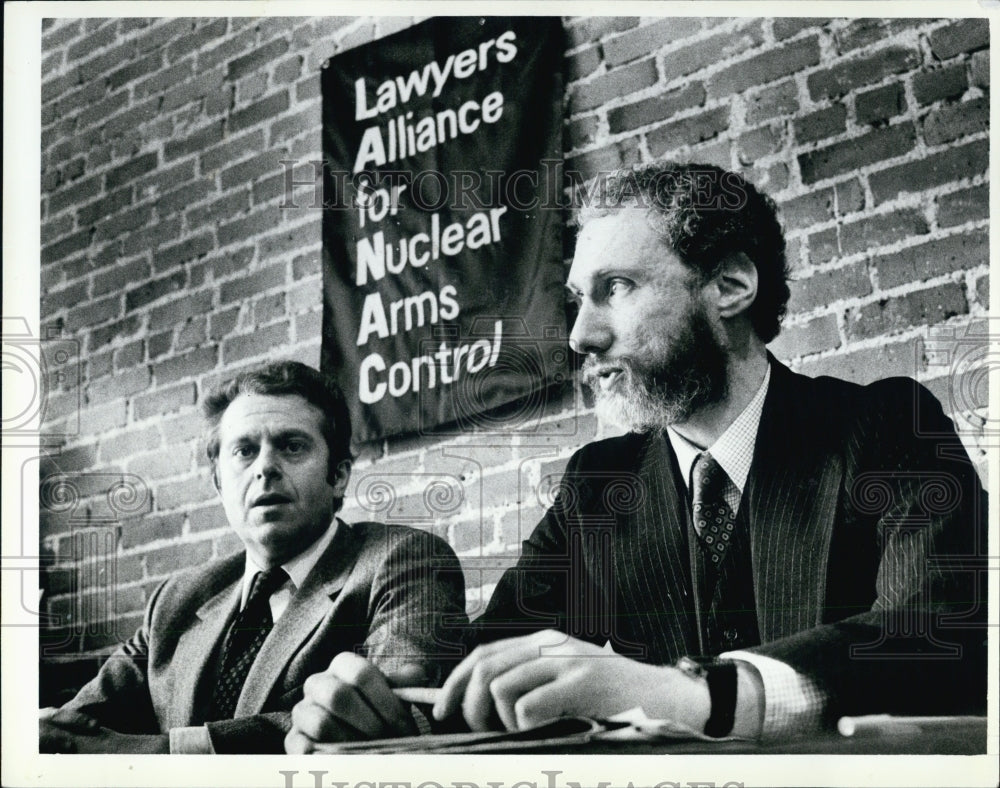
[(307, 609), (197, 646), (651, 559), (792, 493)]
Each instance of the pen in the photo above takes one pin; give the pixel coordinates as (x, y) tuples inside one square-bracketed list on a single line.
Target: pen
[(892, 724)]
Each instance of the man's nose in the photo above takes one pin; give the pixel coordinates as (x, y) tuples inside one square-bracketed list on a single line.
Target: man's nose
[(591, 332), (268, 465)]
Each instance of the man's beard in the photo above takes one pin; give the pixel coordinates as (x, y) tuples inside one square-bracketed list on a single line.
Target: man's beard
[(688, 374)]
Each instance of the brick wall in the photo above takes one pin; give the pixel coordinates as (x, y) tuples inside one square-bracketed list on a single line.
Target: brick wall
[(168, 259)]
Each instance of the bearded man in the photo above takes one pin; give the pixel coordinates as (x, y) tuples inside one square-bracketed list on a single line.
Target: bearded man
[(762, 552)]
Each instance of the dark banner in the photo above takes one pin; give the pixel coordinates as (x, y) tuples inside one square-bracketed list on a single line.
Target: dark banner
[(442, 236)]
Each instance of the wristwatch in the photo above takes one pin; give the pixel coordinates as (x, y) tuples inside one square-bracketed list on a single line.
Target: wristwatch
[(721, 677)]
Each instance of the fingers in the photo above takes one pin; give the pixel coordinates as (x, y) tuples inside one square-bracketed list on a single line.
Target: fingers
[(412, 674), (509, 689), (468, 686), (72, 721), (54, 739), (350, 700)]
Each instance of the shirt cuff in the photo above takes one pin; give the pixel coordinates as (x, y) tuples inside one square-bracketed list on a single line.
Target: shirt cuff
[(793, 703), (190, 741)]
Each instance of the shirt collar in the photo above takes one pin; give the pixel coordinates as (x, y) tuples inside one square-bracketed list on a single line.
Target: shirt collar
[(297, 568), (734, 448)]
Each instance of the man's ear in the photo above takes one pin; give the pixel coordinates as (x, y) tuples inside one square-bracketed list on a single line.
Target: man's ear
[(736, 283), (215, 478), (340, 476)]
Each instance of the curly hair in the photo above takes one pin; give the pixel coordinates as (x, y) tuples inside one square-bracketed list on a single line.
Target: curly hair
[(285, 378), (705, 214)]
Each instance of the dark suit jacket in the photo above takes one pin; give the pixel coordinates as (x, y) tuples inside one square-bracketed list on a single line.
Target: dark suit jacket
[(386, 592), (867, 539)]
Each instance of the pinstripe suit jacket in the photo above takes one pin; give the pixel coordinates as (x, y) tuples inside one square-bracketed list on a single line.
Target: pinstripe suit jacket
[(388, 592), (867, 535)]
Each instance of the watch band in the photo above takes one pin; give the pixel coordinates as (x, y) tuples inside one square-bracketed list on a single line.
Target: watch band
[(721, 677)]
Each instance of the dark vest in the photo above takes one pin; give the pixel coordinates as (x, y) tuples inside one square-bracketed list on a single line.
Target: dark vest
[(652, 625)]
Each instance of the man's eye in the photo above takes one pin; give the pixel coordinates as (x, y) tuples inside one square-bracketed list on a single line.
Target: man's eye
[(618, 287), (243, 451), (295, 447)]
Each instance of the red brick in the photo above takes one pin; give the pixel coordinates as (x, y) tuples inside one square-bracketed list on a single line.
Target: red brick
[(582, 131), (91, 43), (107, 334), (258, 343), (194, 143), (254, 60), (169, 79), (826, 287), (134, 70), (97, 114), (688, 131), (129, 355), (779, 100), (199, 37), (881, 230), (223, 323), (189, 364), (305, 265), (159, 344), (965, 35), (613, 84), (217, 211), (940, 83), (256, 113), (231, 262), (91, 213), (261, 165), (152, 528), (941, 256), (953, 121), (178, 310), (757, 143), (232, 150), (96, 419), (979, 67), (60, 35), (592, 28), (921, 307), (168, 560), (983, 291), (290, 239), (288, 70), (888, 359), (191, 249), (308, 88), (308, 326), (805, 339), (125, 384), (133, 441), (193, 334), (152, 236), (852, 154), (823, 246), (292, 126), (712, 50), (641, 41), (167, 400), (123, 223), (107, 281), (207, 518), (86, 94), (656, 108), (182, 430), (184, 91), (130, 171), (913, 176), (786, 27), (769, 66), (166, 178), (583, 63), (823, 123), (610, 157), (858, 72), (61, 299), (89, 314), (185, 196), (814, 207), (863, 32), (256, 223), (963, 206), (880, 104), (269, 189), (154, 290), (75, 194)]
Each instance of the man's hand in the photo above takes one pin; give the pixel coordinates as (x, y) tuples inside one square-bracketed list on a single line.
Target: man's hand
[(60, 730), (350, 700), (527, 680)]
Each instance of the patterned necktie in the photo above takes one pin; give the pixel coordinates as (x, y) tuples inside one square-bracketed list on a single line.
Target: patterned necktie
[(243, 640), (713, 519)]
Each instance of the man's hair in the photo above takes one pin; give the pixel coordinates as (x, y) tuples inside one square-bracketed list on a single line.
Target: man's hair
[(278, 379), (706, 214)]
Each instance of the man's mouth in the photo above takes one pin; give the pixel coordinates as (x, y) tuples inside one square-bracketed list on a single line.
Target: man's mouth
[(270, 499), (603, 377)]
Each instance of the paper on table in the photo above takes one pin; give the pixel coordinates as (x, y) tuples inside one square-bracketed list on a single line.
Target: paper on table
[(642, 728)]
